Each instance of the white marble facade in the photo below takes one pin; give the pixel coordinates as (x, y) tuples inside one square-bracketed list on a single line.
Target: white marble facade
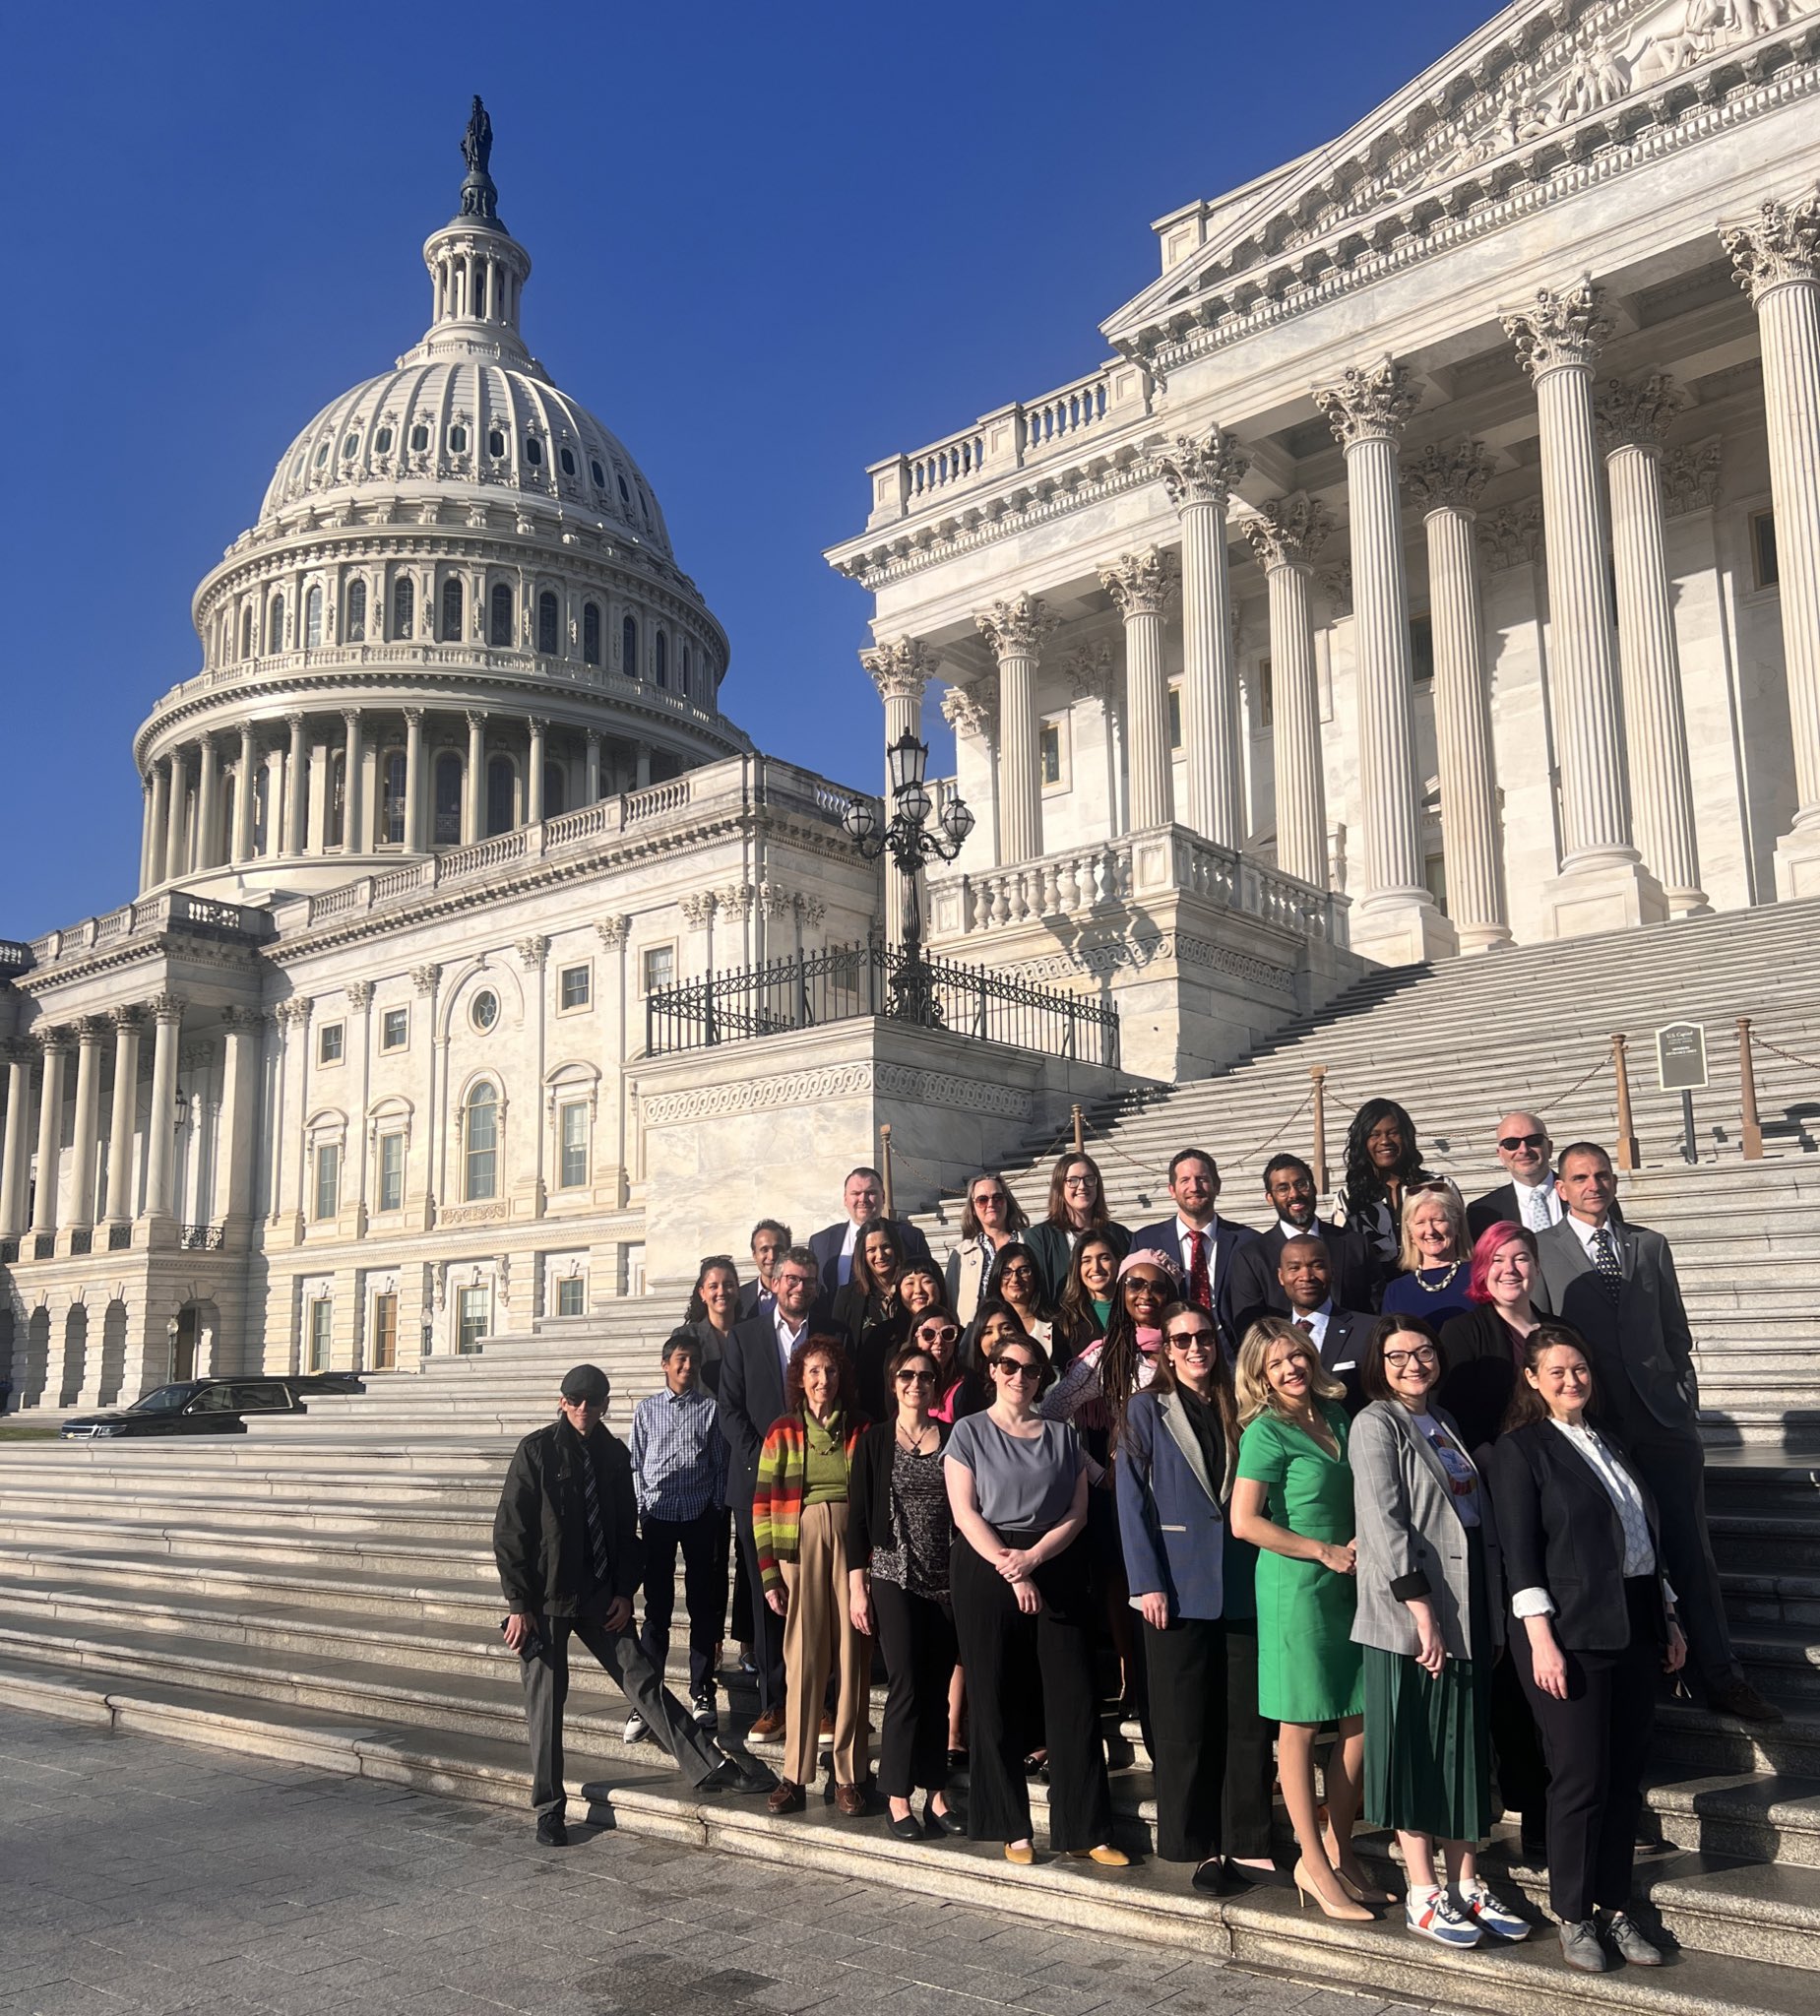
[(1443, 532)]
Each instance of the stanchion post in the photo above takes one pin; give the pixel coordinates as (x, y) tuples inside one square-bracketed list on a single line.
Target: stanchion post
[(1627, 1138), (1080, 1132), (1318, 1073), (884, 1159), (1750, 1127)]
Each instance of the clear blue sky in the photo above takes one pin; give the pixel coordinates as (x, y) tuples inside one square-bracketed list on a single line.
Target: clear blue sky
[(772, 242)]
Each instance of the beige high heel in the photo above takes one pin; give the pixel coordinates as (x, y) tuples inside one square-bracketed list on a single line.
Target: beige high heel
[(1306, 1887)]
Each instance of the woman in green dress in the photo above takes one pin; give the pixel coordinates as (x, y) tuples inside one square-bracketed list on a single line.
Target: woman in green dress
[(1294, 1502)]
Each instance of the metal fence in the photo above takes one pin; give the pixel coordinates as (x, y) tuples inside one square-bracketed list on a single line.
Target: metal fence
[(849, 981)]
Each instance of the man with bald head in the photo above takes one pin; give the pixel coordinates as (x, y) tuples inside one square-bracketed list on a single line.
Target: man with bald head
[(1529, 1198)]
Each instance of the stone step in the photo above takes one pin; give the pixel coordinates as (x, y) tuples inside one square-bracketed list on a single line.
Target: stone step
[(1259, 1930), (166, 1510), (403, 1558), (1763, 1541)]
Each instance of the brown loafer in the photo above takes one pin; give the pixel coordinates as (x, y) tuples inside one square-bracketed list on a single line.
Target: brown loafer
[(767, 1728), (827, 1724), (787, 1799), (850, 1798)]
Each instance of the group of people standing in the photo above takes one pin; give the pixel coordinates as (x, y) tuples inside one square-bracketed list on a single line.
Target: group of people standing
[(1412, 1501)]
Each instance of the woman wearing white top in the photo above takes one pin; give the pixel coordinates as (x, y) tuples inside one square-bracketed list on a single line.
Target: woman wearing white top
[(1578, 1530)]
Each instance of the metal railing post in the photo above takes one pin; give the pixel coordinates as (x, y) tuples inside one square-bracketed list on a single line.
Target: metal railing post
[(1750, 1128), (1627, 1139), (1080, 1132), (1318, 1073), (883, 1157)]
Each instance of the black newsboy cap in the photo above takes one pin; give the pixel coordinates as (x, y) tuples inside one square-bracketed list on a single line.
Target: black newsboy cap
[(585, 1382)]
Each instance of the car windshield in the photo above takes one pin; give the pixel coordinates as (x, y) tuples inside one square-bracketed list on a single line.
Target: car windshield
[(162, 1400)]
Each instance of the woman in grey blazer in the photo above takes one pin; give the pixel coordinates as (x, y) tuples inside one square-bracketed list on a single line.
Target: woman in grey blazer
[(1429, 1617)]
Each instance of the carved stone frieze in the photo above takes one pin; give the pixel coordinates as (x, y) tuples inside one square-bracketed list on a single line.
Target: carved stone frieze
[(1288, 532), (1565, 328), (1450, 478)]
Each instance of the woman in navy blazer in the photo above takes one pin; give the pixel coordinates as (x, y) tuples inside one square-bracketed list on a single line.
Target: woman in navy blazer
[(1176, 1457)]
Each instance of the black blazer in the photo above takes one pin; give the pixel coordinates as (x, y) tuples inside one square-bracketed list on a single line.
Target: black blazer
[(1478, 1372), (827, 1244), (1340, 1346), (868, 1489), (1352, 1275), (1560, 1530), (1230, 1240), (1639, 1343), (871, 1338), (750, 1399), (541, 1527), (749, 1293)]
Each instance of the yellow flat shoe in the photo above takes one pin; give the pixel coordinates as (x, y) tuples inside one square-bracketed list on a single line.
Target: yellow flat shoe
[(1023, 1856), (1106, 1858)]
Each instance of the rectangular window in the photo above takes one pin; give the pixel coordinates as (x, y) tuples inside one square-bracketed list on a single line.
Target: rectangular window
[(1175, 716), (1265, 708), (1763, 571), (571, 1162), (328, 1178), (574, 988), (391, 1173), (571, 1296), (322, 1333), (1050, 753), (1421, 649), (659, 966), (330, 1041), (385, 1333), (395, 1029), (475, 1318)]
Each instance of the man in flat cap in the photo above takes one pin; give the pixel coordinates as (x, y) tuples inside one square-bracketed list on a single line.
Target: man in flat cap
[(566, 1540)]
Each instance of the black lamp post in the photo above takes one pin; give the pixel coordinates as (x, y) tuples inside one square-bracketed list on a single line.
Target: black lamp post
[(910, 843)]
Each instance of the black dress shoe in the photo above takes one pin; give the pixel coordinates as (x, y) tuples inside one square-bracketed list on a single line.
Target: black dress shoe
[(909, 1828), (729, 1774), (1242, 1873), (949, 1822), (1739, 1698), (1211, 1879), (551, 1832)]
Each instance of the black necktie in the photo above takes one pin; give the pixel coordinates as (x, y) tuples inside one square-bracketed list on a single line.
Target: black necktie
[(596, 1526), (1606, 1259)]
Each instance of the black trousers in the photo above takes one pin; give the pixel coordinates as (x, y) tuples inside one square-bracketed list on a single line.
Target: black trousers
[(1673, 1465), (742, 1594), (704, 1590), (1008, 1657), (767, 1626), (546, 1689), (916, 1635), (1187, 1668), (1250, 1762), (1595, 1743), (1516, 1747)]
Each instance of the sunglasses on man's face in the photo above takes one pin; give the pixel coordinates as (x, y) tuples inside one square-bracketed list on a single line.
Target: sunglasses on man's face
[(1510, 1143)]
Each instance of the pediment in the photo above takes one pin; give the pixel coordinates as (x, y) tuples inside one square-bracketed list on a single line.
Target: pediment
[(1541, 74)]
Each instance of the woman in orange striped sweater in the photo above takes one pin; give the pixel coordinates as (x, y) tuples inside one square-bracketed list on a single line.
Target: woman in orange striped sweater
[(799, 1525)]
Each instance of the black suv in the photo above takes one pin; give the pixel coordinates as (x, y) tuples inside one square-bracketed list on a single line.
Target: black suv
[(207, 1407)]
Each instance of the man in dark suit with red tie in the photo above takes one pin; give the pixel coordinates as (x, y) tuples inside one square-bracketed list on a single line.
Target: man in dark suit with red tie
[(1198, 1240)]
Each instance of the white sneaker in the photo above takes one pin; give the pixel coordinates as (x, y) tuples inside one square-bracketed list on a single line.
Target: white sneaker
[(1435, 1915), (636, 1729), (1492, 1912), (702, 1708)]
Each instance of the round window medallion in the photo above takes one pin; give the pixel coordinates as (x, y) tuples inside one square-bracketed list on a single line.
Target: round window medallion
[(485, 1010)]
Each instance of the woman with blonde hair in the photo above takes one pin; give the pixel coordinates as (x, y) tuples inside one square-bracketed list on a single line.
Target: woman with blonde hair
[(1436, 1255), (1293, 1500)]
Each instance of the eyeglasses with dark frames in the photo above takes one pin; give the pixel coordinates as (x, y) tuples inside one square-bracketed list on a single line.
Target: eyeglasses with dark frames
[(1422, 1355), (1188, 1340)]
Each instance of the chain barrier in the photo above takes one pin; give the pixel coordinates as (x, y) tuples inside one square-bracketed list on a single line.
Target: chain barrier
[(1762, 1042), (1560, 1097)]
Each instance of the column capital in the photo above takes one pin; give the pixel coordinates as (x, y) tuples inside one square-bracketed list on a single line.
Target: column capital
[(1690, 478), (1372, 405), (1510, 537), (1450, 478), (533, 952), (899, 666), (414, 715), (613, 932), (424, 978), (736, 899), (1565, 329), (537, 724), (294, 1013), (351, 716), (91, 1030), (1780, 247), (1638, 414), (698, 906), (245, 1021), (971, 710), (1336, 587), (1287, 532), (205, 742), (297, 722), (128, 1016), (247, 733), (1018, 625), (1203, 469), (359, 993), (1091, 673), (1142, 583), (168, 1008), (476, 719)]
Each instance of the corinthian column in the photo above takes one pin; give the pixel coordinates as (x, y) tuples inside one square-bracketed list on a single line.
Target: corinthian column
[(85, 1136), (162, 1127), (176, 855), (55, 1044), (1142, 586), (245, 797), (899, 669), (207, 803), (1447, 483), (297, 789), (119, 1208), (160, 824), (1632, 419), (972, 711), (1603, 884), (1014, 632), (1201, 476), (1778, 260), (1396, 919), (1285, 537), (13, 1151)]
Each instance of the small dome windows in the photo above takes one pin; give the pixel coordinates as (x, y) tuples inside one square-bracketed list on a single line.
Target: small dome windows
[(534, 450), (419, 437), (496, 441), (600, 474), (566, 457), (624, 492), (457, 439), (321, 455), (381, 441), (350, 447)]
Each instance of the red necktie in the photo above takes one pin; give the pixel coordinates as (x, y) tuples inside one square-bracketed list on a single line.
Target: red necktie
[(1200, 1286)]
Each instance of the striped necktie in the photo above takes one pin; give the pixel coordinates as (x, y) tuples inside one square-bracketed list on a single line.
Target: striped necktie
[(1606, 1259), (596, 1526)]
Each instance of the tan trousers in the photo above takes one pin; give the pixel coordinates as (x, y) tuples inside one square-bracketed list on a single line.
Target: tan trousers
[(819, 1639)]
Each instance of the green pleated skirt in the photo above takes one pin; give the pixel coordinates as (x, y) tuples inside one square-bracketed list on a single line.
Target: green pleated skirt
[(1427, 1741)]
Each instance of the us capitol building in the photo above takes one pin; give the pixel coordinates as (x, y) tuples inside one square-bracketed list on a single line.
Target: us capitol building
[(1432, 564)]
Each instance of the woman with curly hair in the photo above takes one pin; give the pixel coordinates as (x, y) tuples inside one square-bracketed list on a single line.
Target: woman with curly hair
[(800, 1519), (1077, 1206), (1382, 1162)]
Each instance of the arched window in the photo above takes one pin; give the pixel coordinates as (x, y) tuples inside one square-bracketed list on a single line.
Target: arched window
[(546, 624), (628, 646), (275, 623), (448, 799), (501, 633), (534, 450), (452, 610), (501, 795), (403, 606), (591, 633), (480, 1144), (312, 618), (496, 441), (662, 651), (555, 791), (246, 633), (355, 629), (567, 459), (392, 797)]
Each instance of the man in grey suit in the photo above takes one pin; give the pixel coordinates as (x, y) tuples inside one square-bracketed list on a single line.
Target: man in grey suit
[(1615, 1283)]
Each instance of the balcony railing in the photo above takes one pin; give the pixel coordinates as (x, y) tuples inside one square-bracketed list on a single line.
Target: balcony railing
[(846, 982), (202, 1239)]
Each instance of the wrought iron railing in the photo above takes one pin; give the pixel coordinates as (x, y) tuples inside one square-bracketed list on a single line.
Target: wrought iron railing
[(846, 981)]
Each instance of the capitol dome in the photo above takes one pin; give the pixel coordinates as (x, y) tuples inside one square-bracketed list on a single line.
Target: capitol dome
[(457, 613)]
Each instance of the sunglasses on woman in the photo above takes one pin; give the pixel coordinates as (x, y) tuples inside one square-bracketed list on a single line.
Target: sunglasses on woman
[(907, 1378), (1192, 1340), (1016, 1368), (947, 1334)]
